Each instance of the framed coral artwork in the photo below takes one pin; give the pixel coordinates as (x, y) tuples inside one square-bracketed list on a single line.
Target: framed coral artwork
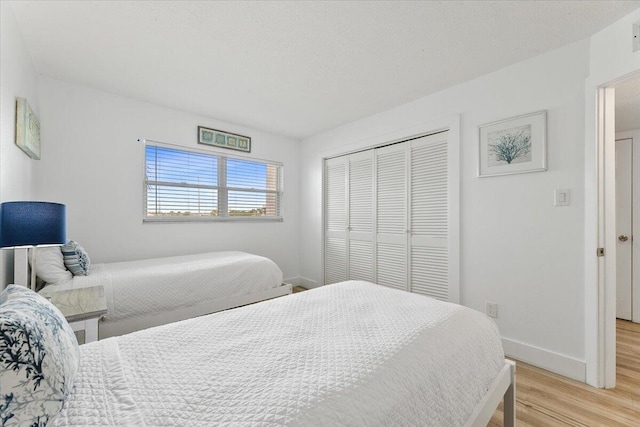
[(515, 145)]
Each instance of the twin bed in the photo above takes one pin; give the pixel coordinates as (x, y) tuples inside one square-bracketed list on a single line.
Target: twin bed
[(352, 353), (145, 293)]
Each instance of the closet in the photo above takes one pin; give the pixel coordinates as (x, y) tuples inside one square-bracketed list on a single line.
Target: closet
[(388, 217)]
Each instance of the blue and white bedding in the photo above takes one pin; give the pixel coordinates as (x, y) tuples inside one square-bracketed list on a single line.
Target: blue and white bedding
[(152, 286), (39, 358), (347, 354)]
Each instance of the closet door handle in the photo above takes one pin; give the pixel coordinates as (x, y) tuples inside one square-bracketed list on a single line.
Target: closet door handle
[(623, 238)]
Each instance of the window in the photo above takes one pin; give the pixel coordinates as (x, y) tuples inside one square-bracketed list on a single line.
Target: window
[(191, 185)]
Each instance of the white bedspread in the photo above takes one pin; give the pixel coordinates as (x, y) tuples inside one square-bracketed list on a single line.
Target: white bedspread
[(137, 288), (349, 354)]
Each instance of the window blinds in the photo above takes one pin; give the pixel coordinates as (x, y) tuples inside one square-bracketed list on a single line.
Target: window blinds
[(183, 185)]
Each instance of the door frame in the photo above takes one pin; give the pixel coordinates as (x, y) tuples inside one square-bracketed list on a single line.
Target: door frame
[(607, 229)]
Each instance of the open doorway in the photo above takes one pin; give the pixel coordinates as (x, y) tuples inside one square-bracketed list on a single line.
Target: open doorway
[(627, 164), (627, 216), (616, 192)]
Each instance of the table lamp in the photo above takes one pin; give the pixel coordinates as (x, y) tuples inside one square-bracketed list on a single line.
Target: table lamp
[(25, 225)]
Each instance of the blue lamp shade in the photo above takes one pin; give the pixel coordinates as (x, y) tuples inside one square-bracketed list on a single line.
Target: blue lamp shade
[(32, 223)]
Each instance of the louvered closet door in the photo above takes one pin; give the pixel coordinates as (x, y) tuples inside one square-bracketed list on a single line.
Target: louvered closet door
[(335, 247), (361, 201), (429, 191), (391, 216)]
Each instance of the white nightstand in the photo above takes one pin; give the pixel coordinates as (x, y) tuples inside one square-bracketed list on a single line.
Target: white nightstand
[(82, 307)]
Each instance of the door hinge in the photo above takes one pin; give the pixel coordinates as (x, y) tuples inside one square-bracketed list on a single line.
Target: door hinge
[(600, 251)]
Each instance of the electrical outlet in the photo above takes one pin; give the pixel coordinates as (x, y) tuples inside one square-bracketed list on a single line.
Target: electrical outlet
[(636, 36), (491, 309)]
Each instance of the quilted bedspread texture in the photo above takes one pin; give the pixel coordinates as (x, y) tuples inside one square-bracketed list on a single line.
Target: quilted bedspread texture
[(348, 354)]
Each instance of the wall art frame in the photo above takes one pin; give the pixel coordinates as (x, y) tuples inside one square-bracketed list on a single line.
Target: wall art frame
[(512, 146), (27, 129), (222, 139)]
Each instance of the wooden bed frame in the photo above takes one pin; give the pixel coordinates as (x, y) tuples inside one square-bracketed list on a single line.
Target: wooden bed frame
[(503, 387), (125, 326)]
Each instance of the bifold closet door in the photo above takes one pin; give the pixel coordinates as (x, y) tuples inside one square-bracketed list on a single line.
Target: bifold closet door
[(336, 197), (360, 214), (429, 215), (391, 215)]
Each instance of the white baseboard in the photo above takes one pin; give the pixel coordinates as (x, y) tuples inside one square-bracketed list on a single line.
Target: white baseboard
[(302, 281), (545, 359)]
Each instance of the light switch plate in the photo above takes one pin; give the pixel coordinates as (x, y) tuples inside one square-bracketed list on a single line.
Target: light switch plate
[(561, 197)]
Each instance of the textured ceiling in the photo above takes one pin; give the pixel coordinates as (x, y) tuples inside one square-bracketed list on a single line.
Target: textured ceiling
[(628, 105), (294, 68)]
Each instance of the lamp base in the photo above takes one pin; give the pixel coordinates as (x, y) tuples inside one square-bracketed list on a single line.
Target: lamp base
[(21, 265)]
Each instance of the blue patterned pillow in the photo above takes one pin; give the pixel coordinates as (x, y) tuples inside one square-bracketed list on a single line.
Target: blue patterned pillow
[(76, 259), (39, 357)]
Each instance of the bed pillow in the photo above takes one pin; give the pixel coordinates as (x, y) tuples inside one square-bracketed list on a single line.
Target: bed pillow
[(50, 265), (76, 259), (39, 358)]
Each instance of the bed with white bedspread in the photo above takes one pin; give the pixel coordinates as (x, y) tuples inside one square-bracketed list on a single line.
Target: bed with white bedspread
[(347, 354), (152, 292)]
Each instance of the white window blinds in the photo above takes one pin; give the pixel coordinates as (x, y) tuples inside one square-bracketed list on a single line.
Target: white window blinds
[(185, 184)]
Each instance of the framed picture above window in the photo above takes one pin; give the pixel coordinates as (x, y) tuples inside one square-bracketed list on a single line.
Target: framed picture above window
[(222, 139), (515, 145)]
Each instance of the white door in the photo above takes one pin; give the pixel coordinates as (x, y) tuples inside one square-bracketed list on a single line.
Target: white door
[(624, 173), (335, 216), (429, 215), (391, 215), (360, 224)]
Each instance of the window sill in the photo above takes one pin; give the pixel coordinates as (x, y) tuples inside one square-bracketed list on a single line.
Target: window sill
[(212, 219)]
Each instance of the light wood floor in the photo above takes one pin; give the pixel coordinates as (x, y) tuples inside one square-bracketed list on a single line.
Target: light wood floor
[(546, 399)]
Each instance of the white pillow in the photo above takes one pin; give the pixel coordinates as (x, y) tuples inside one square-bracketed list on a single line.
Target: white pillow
[(50, 265)]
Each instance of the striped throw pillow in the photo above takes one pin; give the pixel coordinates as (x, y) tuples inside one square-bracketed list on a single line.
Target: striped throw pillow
[(76, 259)]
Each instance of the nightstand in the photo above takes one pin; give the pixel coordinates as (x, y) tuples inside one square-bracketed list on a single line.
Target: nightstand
[(82, 307)]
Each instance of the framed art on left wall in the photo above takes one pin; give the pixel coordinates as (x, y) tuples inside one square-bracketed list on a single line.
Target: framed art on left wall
[(27, 129)]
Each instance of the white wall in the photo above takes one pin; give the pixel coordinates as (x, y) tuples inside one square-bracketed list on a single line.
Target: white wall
[(17, 78), (517, 249), (92, 163), (611, 51)]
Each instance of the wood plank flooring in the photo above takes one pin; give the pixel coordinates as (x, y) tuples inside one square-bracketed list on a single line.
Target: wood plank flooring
[(547, 399)]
